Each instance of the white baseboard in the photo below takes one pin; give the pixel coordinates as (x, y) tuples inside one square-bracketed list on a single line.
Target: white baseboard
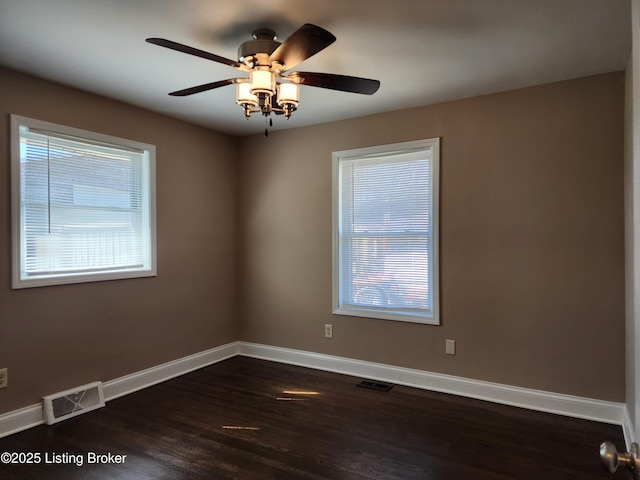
[(161, 373), (22, 419), (31, 416), (627, 428), (568, 405)]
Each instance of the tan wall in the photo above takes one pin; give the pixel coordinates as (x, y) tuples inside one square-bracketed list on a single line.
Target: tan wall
[(532, 239), (531, 245), (53, 338)]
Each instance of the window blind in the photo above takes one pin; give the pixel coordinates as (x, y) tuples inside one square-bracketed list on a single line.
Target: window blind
[(81, 205), (385, 238)]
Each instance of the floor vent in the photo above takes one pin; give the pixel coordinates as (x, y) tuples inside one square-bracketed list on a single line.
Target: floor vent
[(70, 403), (373, 385)]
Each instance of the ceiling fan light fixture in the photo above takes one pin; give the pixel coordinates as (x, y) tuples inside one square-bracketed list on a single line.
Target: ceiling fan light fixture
[(288, 97), (288, 93), (262, 81), (244, 96)]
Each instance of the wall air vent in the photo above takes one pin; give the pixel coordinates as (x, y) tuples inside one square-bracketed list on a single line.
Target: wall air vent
[(70, 403)]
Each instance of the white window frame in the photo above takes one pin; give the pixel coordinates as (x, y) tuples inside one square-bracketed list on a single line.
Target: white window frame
[(148, 269), (432, 148)]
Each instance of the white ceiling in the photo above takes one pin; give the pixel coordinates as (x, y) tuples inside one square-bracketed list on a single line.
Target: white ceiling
[(422, 51)]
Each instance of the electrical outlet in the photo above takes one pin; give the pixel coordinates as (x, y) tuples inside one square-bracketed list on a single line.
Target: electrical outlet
[(4, 378), (328, 330), (450, 347)]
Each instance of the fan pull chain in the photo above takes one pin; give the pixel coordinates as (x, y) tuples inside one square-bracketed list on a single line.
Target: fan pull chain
[(266, 129)]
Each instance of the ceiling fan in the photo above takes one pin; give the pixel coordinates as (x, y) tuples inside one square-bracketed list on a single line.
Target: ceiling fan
[(270, 87)]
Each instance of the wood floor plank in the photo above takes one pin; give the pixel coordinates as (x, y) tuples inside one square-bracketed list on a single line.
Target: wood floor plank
[(252, 419)]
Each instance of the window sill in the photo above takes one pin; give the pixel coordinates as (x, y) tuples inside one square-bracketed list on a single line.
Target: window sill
[(395, 315), (62, 279)]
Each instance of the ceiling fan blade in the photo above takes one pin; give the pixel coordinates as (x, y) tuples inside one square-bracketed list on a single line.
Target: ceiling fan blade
[(331, 81), (302, 44), (193, 51), (204, 87)]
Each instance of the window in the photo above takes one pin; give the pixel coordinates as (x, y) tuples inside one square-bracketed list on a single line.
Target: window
[(385, 232), (83, 205)]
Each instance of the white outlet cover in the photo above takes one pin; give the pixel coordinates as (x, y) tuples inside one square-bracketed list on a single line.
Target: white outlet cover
[(450, 347), (328, 330)]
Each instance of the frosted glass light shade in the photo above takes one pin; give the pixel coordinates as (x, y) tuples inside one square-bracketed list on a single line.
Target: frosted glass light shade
[(262, 81), (288, 94), (244, 95)]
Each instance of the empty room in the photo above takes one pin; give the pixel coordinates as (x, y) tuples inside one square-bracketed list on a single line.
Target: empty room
[(319, 240)]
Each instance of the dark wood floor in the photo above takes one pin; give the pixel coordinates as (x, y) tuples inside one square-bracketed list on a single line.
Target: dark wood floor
[(246, 419)]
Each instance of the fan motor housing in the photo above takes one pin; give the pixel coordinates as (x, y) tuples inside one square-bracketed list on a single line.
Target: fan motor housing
[(264, 41)]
